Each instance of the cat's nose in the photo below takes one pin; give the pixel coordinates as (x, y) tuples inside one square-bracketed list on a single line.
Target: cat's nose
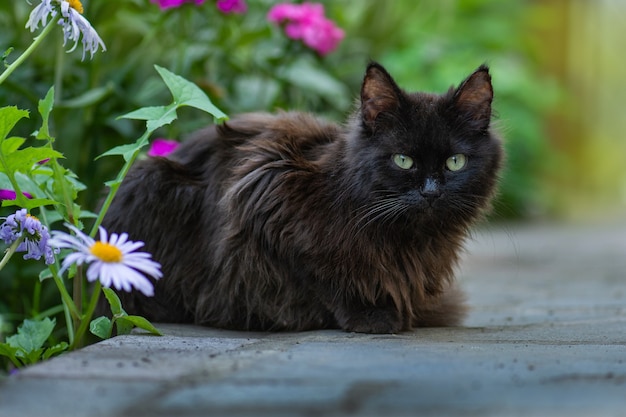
[(430, 191)]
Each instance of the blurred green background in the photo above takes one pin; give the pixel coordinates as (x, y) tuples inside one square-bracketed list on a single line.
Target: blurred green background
[(557, 67)]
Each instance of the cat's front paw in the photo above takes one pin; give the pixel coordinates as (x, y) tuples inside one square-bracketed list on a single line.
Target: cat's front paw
[(373, 321)]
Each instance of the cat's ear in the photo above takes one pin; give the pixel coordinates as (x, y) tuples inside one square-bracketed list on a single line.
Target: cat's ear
[(379, 94), (473, 98)]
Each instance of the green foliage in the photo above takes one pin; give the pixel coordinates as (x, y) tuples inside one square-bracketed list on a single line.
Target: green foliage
[(103, 326), (61, 187), (27, 346), (185, 93)]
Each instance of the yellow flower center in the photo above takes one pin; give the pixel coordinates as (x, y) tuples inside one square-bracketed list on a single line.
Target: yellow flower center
[(76, 5), (32, 217), (106, 252)]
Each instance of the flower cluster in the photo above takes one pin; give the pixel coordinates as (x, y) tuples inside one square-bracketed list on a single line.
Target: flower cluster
[(73, 23), (168, 4), (112, 259), (34, 235), (232, 6), (224, 6), (307, 22)]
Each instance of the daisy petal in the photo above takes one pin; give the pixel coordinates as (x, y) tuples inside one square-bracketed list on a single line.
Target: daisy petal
[(113, 260)]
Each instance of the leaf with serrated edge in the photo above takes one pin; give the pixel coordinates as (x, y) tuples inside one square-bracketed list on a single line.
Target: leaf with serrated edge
[(32, 334), (55, 350), (186, 93), (45, 107), (24, 159), (12, 144), (9, 116)]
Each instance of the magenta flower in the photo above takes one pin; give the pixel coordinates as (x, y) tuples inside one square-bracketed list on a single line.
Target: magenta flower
[(232, 6), (168, 4), (306, 22), (10, 195), (162, 147)]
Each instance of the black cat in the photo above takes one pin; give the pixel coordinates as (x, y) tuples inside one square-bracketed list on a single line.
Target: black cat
[(289, 222)]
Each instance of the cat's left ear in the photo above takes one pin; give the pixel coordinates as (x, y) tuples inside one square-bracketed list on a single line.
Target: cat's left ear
[(379, 94), (473, 98)]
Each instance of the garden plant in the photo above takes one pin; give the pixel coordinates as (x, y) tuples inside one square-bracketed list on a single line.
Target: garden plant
[(103, 84)]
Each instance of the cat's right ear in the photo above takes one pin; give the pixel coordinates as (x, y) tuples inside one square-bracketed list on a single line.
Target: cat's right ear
[(379, 94), (473, 98)]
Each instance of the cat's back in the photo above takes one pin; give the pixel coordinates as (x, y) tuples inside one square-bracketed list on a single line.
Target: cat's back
[(253, 141), (265, 137)]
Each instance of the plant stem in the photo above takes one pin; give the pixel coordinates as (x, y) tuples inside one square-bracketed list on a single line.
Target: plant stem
[(65, 295), (9, 252), (69, 313), (86, 319), (115, 185), (20, 59), (78, 295)]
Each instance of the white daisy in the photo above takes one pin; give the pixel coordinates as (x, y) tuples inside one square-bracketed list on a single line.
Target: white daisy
[(112, 260), (73, 23)]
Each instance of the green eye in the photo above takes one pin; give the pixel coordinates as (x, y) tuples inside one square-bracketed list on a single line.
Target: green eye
[(456, 162), (403, 161)]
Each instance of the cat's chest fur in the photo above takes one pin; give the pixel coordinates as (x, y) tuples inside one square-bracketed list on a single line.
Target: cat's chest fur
[(288, 222)]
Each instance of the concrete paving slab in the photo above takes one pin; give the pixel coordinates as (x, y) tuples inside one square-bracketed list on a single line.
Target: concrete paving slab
[(546, 337)]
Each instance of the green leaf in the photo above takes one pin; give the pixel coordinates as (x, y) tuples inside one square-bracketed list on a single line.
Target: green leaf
[(142, 323), (101, 327), (5, 55), (123, 326), (30, 203), (114, 302), (155, 117), (30, 357), (186, 93), (305, 74), (24, 159), (88, 98), (55, 350), (31, 335), (127, 151), (10, 352), (9, 116), (45, 107), (45, 274), (147, 113), (12, 144)]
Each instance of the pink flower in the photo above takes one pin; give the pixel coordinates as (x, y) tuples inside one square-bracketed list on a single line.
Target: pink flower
[(162, 147), (168, 4), (10, 194), (307, 22), (232, 6), (296, 12)]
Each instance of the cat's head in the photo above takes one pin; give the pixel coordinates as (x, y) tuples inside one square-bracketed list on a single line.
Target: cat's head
[(424, 157)]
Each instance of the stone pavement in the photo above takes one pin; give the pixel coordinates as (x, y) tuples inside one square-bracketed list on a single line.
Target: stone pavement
[(546, 337)]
